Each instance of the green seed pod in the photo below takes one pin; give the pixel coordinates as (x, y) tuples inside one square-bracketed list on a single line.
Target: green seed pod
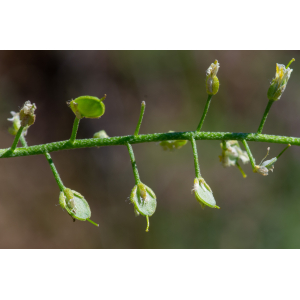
[(100, 135), (88, 107), (212, 81), (144, 201), (203, 193), (76, 205), (172, 144)]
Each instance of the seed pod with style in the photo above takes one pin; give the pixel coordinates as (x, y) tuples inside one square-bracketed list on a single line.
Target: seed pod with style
[(87, 107), (144, 201), (27, 116), (212, 81)]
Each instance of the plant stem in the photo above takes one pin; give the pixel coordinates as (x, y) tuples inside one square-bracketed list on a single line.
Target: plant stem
[(54, 171), (148, 138), (74, 130), (148, 224), (133, 164), (143, 106), (241, 170), (264, 118), (16, 140), (204, 113), (23, 141), (196, 162), (93, 222), (289, 145), (252, 160)]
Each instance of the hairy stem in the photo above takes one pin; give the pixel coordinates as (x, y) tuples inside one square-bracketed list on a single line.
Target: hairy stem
[(23, 141), (74, 130), (252, 160), (204, 113), (148, 138), (196, 162), (143, 106), (16, 140), (264, 118), (54, 171), (133, 164)]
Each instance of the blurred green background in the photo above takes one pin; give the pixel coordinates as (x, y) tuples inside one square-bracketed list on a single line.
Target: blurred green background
[(256, 212)]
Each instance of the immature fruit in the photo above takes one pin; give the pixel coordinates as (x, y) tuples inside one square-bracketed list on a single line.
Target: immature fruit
[(88, 107)]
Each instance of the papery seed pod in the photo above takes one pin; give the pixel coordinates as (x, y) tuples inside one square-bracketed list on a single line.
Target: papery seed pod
[(88, 107), (144, 201), (212, 81), (27, 116), (100, 135), (76, 205), (203, 193)]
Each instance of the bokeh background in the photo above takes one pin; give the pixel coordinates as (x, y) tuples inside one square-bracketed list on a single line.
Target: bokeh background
[(256, 212)]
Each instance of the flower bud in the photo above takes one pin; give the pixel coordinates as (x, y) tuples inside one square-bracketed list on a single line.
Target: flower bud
[(144, 200), (27, 116), (16, 123), (172, 144), (76, 205), (279, 83), (203, 193), (100, 135), (212, 81), (87, 107)]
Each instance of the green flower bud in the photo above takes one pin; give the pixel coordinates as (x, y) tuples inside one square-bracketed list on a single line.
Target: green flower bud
[(27, 116), (172, 144), (144, 201), (203, 193), (212, 81), (100, 135), (76, 205), (280, 81), (87, 107)]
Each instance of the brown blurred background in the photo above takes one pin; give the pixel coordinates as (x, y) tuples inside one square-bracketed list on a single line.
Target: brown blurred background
[(257, 212)]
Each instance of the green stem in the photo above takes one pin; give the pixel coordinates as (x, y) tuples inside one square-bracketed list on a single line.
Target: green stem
[(74, 130), (133, 164), (204, 113), (143, 106), (196, 162), (54, 171), (148, 223), (16, 140), (23, 141), (241, 170), (264, 118), (288, 146), (93, 222), (149, 138), (252, 160)]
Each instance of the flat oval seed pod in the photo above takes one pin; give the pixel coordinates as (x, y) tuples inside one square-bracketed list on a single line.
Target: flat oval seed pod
[(203, 193), (82, 211), (88, 107), (144, 200)]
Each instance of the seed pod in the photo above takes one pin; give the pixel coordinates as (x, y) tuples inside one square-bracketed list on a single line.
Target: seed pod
[(100, 135), (27, 116), (212, 81), (88, 107), (203, 193), (172, 144)]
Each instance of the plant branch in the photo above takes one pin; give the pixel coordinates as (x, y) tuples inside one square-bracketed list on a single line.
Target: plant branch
[(204, 113), (133, 164), (16, 140), (264, 118), (196, 161), (147, 138), (23, 141), (74, 130), (143, 106), (55, 173), (252, 160)]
